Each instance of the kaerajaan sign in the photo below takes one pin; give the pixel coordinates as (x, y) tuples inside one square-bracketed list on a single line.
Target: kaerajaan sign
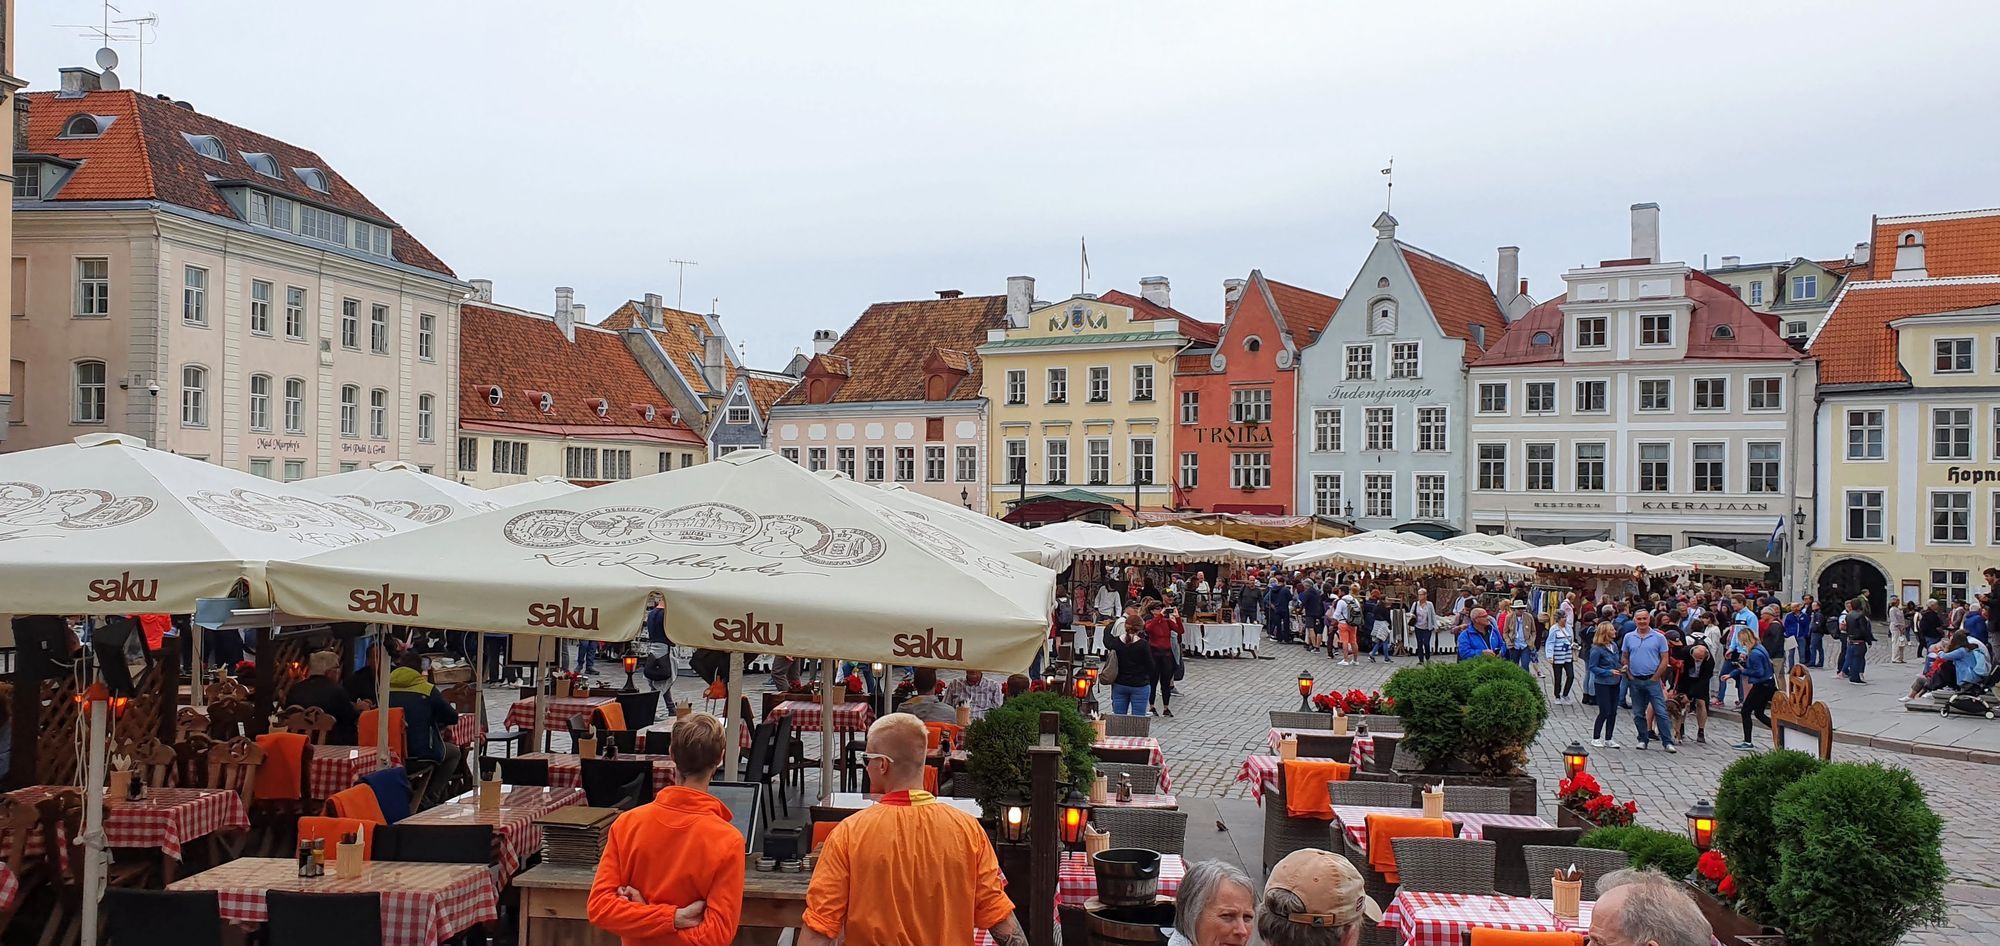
[(1677, 505)]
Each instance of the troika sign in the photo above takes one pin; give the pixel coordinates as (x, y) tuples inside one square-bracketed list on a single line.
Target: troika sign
[(1241, 433)]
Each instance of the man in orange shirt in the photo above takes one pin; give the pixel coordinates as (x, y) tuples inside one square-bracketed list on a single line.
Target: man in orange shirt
[(672, 870), (908, 871)]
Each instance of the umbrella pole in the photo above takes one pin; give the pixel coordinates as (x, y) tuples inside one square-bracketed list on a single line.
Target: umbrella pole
[(536, 736), (828, 668), (197, 679), (382, 697), (479, 690), (733, 694)]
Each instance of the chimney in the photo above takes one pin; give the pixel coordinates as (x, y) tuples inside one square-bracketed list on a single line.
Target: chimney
[(823, 340), (20, 125), (950, 293), (76, 80), (1861, 251), (576, 314), (1509, 278), (1154, 289), (1728, 261), (1646, 232), (1020, 298), (1232, 290), (650, 309), (1910, 256), (714, 360), (482, 290), (565, 302)]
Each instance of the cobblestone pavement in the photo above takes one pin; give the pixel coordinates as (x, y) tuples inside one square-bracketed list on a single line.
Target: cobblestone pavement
[(1220, 717)]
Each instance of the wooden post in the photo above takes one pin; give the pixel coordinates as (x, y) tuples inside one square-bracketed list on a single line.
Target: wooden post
[(733, 696), (264, 689), (828, 671), (36, 637), (1044, 834)]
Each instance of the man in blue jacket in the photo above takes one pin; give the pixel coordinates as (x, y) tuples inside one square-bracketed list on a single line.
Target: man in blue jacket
[(1480, 638), (1278, 611)]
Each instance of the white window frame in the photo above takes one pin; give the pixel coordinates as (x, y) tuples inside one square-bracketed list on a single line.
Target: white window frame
[(1097, 461), (1369, 494), (1017, 386), (1639, 390), (1143, 382), (1938, 354), (965, 460), (1406, 360), (1718, 384), (1600, 475), (1720, 472), (1327, 486), (93, 292), (1752, 480), (816, 459), (874, 464), (1482, 405), (260, 404), (378, 329), (1602, 333), (295, 313), (1640, 461), (1097, 379), (1056, 386), (1750, 394), (194, 296), (1358, 362), (1756, 292), (378, 413), (1880, 427), (1880, 507), (1329, 437), (1250, 405), (82, 399), (1970, 512), (1528, 389), (1190, 408), (1142, 461), (295, 407), (350, 411), (261, 466), (1055, 459), (1250, 469), (1937, 443), (295, 470), (426, 337), (194, 396), (1378, 426), (427, 419), (844, 461), (1442, 493), (1011, 454), (1434, 435), (737, 414), (1580, 404), (510, 457), (1481, 481), (1652, 335), (1531, 465), (1799, 284), (350, 324), (1190, 470), (905, 468)]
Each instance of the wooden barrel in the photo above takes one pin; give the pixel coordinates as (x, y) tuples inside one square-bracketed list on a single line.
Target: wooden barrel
[(1128, 926)]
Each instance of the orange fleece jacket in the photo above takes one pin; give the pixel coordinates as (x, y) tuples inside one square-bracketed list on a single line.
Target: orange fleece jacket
[(674, 851)]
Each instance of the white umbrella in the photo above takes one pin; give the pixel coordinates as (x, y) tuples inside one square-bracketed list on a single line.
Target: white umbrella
[(1391, 535), (1358, 553), (397, 488), (1604, 558), (109, 525), (1483, 542), (1091, 541), (1712, 560), (541, 487), (1482, 563), (1033, 545), (1175, 544)]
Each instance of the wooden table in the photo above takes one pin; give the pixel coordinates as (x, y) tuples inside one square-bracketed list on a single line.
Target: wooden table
[(555, 906), (165, 820), (516, 836), (422, 904)]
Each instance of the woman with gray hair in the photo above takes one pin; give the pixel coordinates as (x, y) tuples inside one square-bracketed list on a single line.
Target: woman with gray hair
[(1215, 907), (1645, 908), (1314, 898)]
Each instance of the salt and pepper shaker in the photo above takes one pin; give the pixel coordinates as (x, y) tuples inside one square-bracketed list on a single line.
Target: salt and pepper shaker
[(1125, 788)]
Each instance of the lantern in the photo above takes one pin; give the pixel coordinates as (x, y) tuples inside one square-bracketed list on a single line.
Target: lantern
[(1305, 691), (1014, 820), (631, 662), (1575, 758), (1075, 815), (1701, 824), (1082, 688), (1090, 673), (875, 669), (1049, 680)]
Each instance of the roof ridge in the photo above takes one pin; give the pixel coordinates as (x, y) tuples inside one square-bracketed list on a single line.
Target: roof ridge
[(1979, 280), (1941, 215), (1439, 259)]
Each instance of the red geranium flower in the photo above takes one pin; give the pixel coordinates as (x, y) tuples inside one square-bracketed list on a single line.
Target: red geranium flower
[(1712, 866), (1728, 887)]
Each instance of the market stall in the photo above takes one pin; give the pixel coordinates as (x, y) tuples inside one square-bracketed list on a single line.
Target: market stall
[(1710, 560), (1249, 527), (397, 488)]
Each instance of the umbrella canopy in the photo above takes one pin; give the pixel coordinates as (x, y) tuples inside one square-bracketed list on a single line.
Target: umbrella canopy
[(751, 553), (1377, 554), (1175, 544), (1597, 558), (1034, 545), (107, 524), (1089, 540), (1711, 560), (1481, 542), (397, 488), (541, 487), (1405, 538)]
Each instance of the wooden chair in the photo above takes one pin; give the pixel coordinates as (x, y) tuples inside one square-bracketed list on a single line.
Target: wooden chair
[(228, 719), (1445, 865), (462, 697), (152, 759), (310, 721), (233, 764), (187, 721), (191, 760), (225, 688)]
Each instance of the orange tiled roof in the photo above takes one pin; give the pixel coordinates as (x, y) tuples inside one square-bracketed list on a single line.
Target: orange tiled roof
[(1752, 335), (1305, 312), (143, 156), (952, 358), (765, 390), (1518, 347), (680, 334), (1190, 327), (523, 353), (1955, 244), (1855, 345), (883, 353), (1458, 297)]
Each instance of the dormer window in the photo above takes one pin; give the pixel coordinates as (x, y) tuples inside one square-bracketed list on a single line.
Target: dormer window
[(1543, 339), (261, 163), (603, 407), (1723, 333), (547, 403), (28, 181), (312, 177), (648, 413), (208, 146), (1253, 344), (86, 125), (494, 394)]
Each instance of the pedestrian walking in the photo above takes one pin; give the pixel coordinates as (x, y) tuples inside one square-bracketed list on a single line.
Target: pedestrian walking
[(1755, 669), (1562, 657), (1604, 674), (1859, 635), (1424, 618), (1644, 653)]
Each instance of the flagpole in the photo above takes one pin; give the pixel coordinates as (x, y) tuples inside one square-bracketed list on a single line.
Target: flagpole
[(1083, 265)]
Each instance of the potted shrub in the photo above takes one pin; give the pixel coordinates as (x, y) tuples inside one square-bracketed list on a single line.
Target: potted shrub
[(1743, 829), (1469, 720), (1858, 851), (1582, 803), (997, 747), (1669, 853)]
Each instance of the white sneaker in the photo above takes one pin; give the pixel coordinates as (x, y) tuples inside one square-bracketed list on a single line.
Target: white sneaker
[(1672, 748), (1597, 743), (1609, 744), (1902, 699)]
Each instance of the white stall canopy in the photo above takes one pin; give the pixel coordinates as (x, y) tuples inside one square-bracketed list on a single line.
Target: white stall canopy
[(528, 491), (397, 488)]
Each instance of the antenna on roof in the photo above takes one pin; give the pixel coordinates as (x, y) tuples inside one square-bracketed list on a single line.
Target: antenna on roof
[(712, 302), (680, 283), (142, 24)]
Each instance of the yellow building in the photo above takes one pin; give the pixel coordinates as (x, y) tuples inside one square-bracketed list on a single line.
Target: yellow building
[(12, 382), (1080, 397), (1909, 422)]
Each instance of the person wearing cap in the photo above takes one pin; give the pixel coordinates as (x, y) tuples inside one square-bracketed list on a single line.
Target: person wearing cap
[(1314, 898), (322, 688), (1216, 906)]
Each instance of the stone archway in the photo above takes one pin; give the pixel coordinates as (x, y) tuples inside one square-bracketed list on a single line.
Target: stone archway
[(1845, 578)]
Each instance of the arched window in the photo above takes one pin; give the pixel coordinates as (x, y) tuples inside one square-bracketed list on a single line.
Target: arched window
[(260, 402), (1253, 343), (295, 405), (350, 410), (261, 163), (1723, 333), (378, 413), (208, 146), (936, 388), (494, 394), (1542, 338), (85, 125), (312, 177), (88, 402), (424, 412), (1382, 283), (548, 403), (194, 396)]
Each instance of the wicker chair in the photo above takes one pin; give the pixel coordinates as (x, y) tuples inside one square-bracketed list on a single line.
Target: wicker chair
[(1145, 778), (1372, 794), (1444, 865), (1385, 752), (1542, 861), (1283, 833), (1116, 725), (1509, 870), (1154, 829), (1362, 775), (1315, 746), (1477, 800), (1281, 719)]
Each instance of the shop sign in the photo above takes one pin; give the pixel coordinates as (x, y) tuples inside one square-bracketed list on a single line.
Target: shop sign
[(1241, 433), (1678, 505), (1552, 504), (1966, 474), (1355, 392)]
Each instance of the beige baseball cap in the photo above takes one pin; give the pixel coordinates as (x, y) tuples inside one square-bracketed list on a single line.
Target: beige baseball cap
[(1331, 889), (322, 661)]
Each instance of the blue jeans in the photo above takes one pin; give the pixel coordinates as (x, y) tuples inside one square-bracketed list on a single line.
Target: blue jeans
[(1857, 660), (1648, 693), (1607, 711), (586, 656), (1130, 701)]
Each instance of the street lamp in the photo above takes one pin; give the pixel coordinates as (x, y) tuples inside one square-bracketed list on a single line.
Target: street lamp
[(1048, 679), (1799, 519), (965, 496), (1075, 816), (1305, 691), (1575, 758), (1701, 824), (1082, 688)]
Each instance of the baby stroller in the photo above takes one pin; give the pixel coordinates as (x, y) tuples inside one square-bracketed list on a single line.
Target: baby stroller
[(1972, 699)]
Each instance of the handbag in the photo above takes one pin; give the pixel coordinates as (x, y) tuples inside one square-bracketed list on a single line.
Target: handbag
[(659, 668), (1109, 675)]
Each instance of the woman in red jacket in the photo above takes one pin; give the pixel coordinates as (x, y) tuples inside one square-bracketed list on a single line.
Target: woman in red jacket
[(672, 870)]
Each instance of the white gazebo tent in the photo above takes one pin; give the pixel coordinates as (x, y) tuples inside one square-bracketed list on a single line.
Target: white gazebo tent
[(1090, 541), (1175, 544), (1599, 558), (1033, 545), (1711, 560), (1484, 542), (527, 491), (1378, 555), (399, 488), (1391, 535), (751, 553)]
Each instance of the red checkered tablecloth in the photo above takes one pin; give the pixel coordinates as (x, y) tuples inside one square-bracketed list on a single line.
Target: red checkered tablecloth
[(465, 732), (805, 717), (166, 819), (566, 770), (1261, 771), (422, 904), (1077, 881), (556, 713), (1141, 742), (1364, 746), (1441, 919), (337, 768), (1354, 818), (10, 888), (516, 837)]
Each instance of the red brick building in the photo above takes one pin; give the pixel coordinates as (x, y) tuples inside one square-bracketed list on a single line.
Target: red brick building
[(1236, 407)]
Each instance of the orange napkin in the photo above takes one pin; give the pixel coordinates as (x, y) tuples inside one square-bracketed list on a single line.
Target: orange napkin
[(821, 830), (357, 803), (957, 735), (280, 775), (1482, 936), (1383, 828), (398, 735), (333, 829), (1305, 786), (613, 715), (930, 778)]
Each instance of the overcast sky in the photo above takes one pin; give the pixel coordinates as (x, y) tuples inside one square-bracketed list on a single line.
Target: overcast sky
[(817, 157)]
